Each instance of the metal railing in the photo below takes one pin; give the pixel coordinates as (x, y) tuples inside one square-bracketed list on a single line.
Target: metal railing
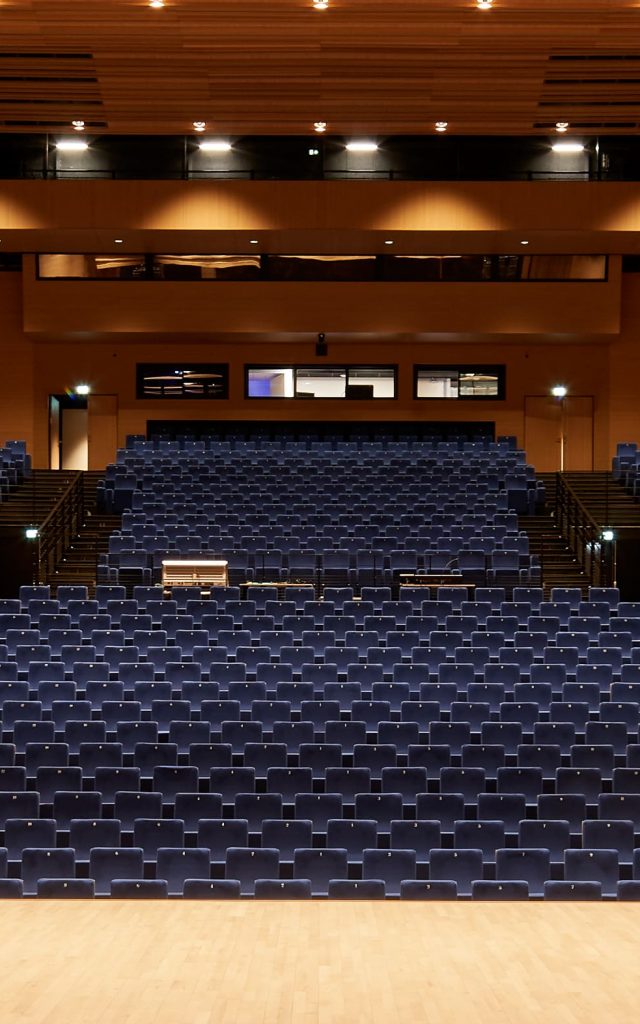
[(59, 528), (584, 535)]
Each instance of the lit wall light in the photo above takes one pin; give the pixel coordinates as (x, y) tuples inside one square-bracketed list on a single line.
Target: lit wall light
[(568, 147), (320, 5), (320, 126), (524, 241), (608, 535), (441, 126), (362, 147), (314, 152), (559, 391), (83, 389), (388, 241), (561, 126), (31, 533), (253, 241), (484, 5), (78, 126), (118, 241), (199, 125), (156, 3), (215, 146), (71, 145)]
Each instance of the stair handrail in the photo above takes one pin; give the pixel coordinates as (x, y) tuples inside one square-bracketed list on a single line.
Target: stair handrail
[(60, 527), (583, 534)]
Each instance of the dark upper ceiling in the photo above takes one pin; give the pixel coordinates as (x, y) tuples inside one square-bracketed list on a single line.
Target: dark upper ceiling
[(363, 66)]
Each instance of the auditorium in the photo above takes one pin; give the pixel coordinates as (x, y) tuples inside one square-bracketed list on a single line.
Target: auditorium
[(319, 511)]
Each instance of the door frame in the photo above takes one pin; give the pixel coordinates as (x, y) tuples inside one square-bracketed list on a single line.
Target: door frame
[(569, 396)]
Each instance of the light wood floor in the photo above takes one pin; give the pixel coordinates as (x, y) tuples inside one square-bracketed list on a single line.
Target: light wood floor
[(274, 963)]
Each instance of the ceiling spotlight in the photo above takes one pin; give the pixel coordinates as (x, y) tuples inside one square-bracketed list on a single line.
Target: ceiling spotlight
[(199, 125), (568, 147), (441, 126), (71, 145), (524, 241), (320, 5), (362, 147), (559, 391), (156, 3), (253, 241), (388, 241), (320, 126), (215, 146), (118, 241), (561, 126), (484, 5), (78, 126)]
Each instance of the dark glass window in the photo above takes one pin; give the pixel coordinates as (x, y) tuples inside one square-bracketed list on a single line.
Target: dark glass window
[(475, 382), (357, 382), (193, 380)]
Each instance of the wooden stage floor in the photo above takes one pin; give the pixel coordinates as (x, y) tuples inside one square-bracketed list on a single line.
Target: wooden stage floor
[(119, 962)]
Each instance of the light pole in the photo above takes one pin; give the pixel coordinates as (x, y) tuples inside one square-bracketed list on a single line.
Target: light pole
[(559, 391)]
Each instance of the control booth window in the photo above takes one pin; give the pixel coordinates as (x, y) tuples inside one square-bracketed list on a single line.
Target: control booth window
[(353, 382), (192, 380), (460, 382)]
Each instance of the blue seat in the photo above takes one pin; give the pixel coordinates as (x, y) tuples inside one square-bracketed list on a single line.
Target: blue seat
[(390, 866), (354, 836), (381, 807), (593, 866), (527, 781), (228, 782), (51, 780), (552, 835), (433, 890), (489, 757), (141, 889), (247, 865), (505, 734), (110, 781), (507, 807), (318, 808), (21, 834), (547, 757), (469, 782), (254, 808), (420, 836), (367, 889), (320, 867), (218, 834), (176, 865), (447, 808), (204, 889), (87, 833), (371, 713), (529, 865), (610, 835), (290, 889), (150, 834), (601, 757), (579, 891), (584, 781), (499, 890), (37, 864), (293, 734), (288, 836), (460, 866), (375, 757), (289, 782), (64, 888), (486, 836)]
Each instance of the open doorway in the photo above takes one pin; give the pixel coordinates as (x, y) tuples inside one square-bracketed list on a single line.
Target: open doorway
[(83, 431)]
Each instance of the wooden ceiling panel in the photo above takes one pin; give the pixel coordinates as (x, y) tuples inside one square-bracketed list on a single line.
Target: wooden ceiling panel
[(363, 66)]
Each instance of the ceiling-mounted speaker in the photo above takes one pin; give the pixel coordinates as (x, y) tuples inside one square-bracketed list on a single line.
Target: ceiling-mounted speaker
[(322, 349)]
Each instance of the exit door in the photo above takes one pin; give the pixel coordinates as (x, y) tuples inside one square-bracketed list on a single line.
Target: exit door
[(83, 432), (558, 433)]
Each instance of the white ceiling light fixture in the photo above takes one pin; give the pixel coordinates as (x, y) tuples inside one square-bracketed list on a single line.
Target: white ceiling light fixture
[(388, 241), (362, 147), (119, 241), (524, 241), (561, 126), (441, 126), (568, 147), (484, 5), (320, 126), (215, 146), (71, 145), (199, 126), (78, 126), (320, 5), (156, 3), (253, 241)]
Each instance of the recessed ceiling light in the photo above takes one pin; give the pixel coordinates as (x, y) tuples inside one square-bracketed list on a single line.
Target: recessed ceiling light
[(441, 126), (199, 125), (524, 241), (215, 146), (71, 145), (119, 241), (568, 147), (388, 241), (253, 241), (484, 5), (362, 147), (156, 3), (320, 5), (78, 126), (561, 126), (320, 126)]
